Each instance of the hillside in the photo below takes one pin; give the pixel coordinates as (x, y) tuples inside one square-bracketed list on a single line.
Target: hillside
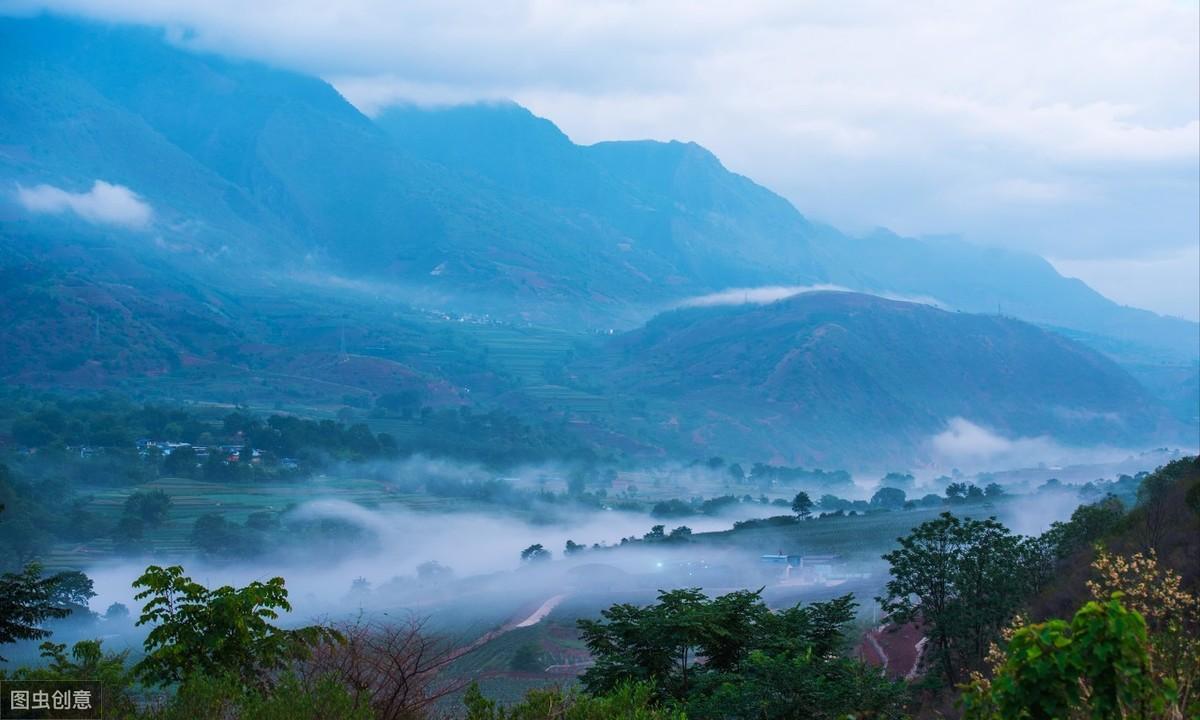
[(826, 374), (728, 231), (473, 208)]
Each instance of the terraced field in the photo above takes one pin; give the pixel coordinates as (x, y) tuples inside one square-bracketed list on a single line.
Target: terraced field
[(192, 498)]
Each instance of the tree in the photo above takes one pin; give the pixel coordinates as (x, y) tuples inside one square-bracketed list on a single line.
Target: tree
[(656, 643), (396, 669), (683, 533), (433, 571), (88, 661), (993, 490), (535, 553), (802, 505), (889, 497), (757, 663), (576, 483), (117, 611), (833, 502), (573, 548), (215, 535), (225, 630), (963, 580), (736, 473), (150, 507), (1088, 524), (129, 534), (29, 598), (1153, 499), (956, 490), (181, 462)]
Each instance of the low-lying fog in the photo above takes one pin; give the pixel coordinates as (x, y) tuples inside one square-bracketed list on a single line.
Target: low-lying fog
[(465, 567)]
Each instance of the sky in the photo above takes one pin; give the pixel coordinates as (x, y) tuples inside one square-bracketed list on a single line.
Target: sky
[(1070, 129)]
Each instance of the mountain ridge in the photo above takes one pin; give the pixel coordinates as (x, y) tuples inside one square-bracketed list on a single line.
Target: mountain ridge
[(815, 374)]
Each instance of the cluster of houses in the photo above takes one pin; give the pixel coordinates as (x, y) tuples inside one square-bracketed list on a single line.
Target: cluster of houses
[(226, 453)]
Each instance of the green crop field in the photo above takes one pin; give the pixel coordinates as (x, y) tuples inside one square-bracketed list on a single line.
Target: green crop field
[(236, 501)]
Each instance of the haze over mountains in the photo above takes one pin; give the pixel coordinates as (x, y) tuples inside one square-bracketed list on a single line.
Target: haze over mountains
[(242, 202)]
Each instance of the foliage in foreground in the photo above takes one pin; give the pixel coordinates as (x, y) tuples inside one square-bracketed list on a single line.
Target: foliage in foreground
[(755, 662), (28, 598), (1095, 666), (628, 701), (219, 632), (1132, 652)]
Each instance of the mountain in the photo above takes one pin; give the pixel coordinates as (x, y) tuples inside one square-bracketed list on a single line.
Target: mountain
[(679, 199), (826, 375), (282, 171), (283, 220), (482, 206)]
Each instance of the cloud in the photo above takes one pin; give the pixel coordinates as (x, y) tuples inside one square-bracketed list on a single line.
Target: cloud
[(755, 295), (771, 293), (104, 204), (965, 445)]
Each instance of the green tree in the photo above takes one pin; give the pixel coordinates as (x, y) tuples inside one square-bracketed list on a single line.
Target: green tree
[(535, 553), (129, 535), (683, 533), (181, 462), (29, 598), (1088, 524), (216, 632), (151, 506), (214, 535), (888, 497), (962, 579), (88, 661), (802, 505), (757, 662)]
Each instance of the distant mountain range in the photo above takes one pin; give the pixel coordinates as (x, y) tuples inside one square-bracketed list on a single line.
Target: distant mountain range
[(275, 204)]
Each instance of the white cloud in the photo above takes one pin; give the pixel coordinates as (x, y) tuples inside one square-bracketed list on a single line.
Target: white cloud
[(755, 295), (965, 445), (104, 204), (770, 293)]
